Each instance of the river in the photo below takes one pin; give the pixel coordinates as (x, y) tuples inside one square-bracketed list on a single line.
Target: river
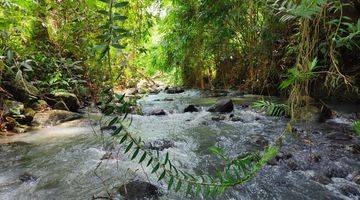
[(62, 162)]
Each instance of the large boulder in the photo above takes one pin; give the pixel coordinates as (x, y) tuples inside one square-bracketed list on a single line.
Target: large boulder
[(54, 117), (223, 106), (69, 99)]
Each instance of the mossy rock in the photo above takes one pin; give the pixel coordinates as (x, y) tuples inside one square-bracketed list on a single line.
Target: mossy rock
[(39, 105), (71, 101), (13, 108)]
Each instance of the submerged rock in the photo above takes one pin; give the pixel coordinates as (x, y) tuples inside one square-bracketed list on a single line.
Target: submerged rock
[(160, 112), (339, 136), (335, 171), (320, 178), (325, 113), (215, 93), (108, 128), (349, 191), (258, 142), (160, 145), (139, 190), (218, 118), (353, 148), (223, 106), (27, 177), (236, 119), (54, 117), (191, 108)]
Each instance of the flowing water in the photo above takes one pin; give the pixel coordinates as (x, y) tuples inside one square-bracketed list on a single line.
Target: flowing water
[(65, 162)]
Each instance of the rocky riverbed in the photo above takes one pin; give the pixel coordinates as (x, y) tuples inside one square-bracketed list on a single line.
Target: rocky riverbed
[(70, 158)]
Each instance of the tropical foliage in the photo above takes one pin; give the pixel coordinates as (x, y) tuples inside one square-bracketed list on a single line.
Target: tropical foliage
[(357, 127), (271, 108)]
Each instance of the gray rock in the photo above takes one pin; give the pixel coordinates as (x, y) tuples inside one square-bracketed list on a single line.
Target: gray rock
[(60, 106), (27, 177), (191, 108), (54, 117), (218, 118), (160, 145), (339, 136), (139, 190), (335, 171), (174, 90), (160, 112), (70, 100), (237, 119), (349, 191), (13, 108), (320, 178), (258, 142), (223, 106)]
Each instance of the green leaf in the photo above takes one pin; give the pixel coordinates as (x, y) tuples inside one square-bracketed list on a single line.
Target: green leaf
[(120, 97), (207, 192), (149, 162), (170, 183), (176, 170), (198, 189), (100, 47), (118, 46), (119, 17), (155, 168), (123, 139), (121, 4), (189, 189), (216, 150), (142, 157), (162, 175), (178, 186), (118, 29), (117, 131), (136, 152), (103, 12), (105, 1), (166, 158), (129, 147), (113, 121)]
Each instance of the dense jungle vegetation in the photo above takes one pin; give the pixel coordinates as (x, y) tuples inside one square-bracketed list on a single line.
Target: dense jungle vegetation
[(71, 54)]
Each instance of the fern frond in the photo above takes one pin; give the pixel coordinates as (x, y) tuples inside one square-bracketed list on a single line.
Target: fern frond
[(272, 109)]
